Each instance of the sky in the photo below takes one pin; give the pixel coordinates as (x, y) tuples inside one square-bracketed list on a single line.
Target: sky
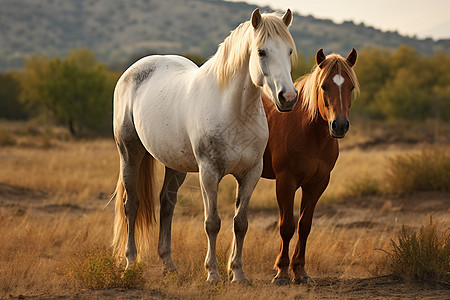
[(429, 18)]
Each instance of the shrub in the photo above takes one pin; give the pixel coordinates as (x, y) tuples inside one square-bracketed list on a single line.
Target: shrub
[(6, 138), (98, 270), (422, 257), (428, 170), (365, 186)]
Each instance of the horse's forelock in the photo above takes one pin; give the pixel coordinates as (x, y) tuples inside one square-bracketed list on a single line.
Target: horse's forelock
[(236, 48), (311, 83), (272, 25)]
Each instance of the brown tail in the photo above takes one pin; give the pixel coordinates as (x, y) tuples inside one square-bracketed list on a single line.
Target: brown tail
[(147, 193)]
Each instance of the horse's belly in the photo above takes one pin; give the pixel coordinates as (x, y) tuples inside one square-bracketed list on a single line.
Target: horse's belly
[(169, 145), (181, 161)]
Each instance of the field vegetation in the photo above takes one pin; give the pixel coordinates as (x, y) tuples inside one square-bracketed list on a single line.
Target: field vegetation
[(57, 232)]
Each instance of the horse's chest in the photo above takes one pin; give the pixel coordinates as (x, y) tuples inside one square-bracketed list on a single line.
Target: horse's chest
[(316, 167), (231, 147)]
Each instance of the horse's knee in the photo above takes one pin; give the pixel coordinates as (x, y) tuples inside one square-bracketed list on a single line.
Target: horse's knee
[(212, 225), (287, 230), (240, 223), (168, 203)]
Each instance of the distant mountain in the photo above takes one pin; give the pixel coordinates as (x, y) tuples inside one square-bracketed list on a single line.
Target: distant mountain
[(117, 30), (442, 29)]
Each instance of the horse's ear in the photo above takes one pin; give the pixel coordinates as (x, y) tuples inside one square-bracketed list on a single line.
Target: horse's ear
[(351, 58), (287, 18), (256, 18), (320, 57)]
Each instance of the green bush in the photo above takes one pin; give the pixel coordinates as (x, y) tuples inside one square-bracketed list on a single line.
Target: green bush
[(422, 257), (99, 270), (428, 170)]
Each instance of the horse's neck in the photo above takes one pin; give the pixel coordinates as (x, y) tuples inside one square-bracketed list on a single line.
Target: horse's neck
[(241, 95), (317, 128)]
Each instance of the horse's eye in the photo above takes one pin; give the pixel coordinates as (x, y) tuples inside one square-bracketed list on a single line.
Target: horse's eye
[(353, 87), (290, 51), (262, 53), (325, 100), (324, 87)]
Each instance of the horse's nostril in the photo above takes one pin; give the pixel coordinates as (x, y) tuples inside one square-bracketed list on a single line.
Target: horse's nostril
[(347, 125), (281, 97), (334, 125)]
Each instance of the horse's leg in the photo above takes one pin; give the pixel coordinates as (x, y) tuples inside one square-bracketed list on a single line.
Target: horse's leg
[(209, 183), (168, 198), (247, 183), (310, 196), (131, 155), (285, 191)]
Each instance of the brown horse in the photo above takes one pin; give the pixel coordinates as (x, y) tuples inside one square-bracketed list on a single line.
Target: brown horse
[(303, 149)]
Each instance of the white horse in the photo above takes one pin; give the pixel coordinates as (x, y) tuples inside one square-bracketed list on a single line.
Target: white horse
[(208, 120)]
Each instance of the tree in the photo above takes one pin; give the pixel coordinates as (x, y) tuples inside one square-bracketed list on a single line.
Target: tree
[(373, 70), (10, 106), (77, 91), (405, 97)]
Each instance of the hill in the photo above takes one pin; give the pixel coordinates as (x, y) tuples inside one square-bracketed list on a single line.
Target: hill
[(118, 30)]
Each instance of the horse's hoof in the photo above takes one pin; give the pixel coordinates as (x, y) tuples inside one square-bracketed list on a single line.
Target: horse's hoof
[(213, 279), (242, 281), (169, 267), (303, 280), (167, 271), (281, 281)]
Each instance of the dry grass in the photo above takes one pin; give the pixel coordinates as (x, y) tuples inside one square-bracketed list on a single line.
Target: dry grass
[(47, 255), (44, 250), (422, 257), (427, 170)]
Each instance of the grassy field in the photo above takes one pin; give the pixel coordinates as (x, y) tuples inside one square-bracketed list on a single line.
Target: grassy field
[(56, 231)]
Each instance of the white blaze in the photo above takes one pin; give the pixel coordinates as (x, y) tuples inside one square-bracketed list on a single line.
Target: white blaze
[(339, 80)]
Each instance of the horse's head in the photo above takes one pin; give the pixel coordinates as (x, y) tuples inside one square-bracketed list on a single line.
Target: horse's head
[(336, 88), (270, 58)]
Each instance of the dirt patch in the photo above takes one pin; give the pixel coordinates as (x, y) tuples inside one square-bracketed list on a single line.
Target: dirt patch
[(386, 210), (13, 193), (101, 294), (380, 287), (19, 201), (384, 287), (369, 213)]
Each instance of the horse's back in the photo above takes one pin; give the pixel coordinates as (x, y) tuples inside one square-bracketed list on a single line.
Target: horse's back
[(149, 103), (152, 66)]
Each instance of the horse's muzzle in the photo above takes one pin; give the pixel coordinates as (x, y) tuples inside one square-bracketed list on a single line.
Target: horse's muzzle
[(339, 127), (287, 100)]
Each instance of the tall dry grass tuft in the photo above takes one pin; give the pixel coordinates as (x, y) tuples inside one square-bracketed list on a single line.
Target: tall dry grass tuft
[(364, 186), (421, 257), (428, 170), (98, 269)]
